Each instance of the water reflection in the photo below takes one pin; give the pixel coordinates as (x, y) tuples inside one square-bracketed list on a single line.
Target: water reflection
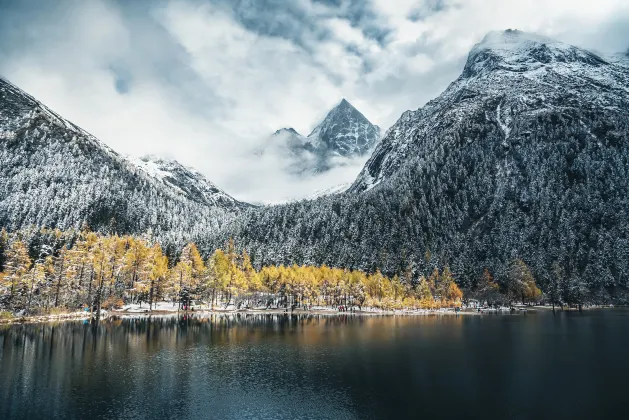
[(281, 366)]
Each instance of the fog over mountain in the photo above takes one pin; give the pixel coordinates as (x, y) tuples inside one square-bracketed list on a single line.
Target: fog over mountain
[(344, 137)]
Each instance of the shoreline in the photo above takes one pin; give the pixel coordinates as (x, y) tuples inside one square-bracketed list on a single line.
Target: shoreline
[(135, 312), (78, 316)]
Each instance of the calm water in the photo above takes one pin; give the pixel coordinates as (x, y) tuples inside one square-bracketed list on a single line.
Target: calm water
[(567, 365)]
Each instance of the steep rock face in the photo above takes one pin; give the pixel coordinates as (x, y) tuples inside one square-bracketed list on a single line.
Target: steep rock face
[(525, 155), (344, 134), (55, 174)]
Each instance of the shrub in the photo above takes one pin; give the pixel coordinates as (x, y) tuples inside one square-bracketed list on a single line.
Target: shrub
[(113, 302)]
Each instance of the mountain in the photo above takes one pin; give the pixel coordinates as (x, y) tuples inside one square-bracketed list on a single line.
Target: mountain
[(344, 134), (188, 181), (524, 156), (55, 174), (545, 74)]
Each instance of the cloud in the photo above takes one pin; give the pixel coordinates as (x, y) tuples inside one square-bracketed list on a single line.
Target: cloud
[(205, 81)]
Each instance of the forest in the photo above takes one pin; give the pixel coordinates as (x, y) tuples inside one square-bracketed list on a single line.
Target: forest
[(52, 271)]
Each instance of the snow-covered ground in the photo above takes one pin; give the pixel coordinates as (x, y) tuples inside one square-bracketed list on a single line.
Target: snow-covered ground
[(321, 310)]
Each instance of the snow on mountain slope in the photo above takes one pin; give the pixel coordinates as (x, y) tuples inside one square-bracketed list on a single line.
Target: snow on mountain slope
[(189, 181), (55, 174), (344, 132), (508, 75)]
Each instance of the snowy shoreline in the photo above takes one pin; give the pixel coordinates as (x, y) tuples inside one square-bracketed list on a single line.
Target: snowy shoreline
[(69, 316), (132, 312), (169, 311), (164, 308)]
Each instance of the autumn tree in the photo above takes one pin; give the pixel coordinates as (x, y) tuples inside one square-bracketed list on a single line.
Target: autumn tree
[(487, 290), (423, 293), (136, 266), (521, 284), (17, 264), (157, 271)]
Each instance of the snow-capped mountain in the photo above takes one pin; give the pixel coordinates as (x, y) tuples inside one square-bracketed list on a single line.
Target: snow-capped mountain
[(55, 174), (525, 155), (509, 76), (188, 181), (344, 134)]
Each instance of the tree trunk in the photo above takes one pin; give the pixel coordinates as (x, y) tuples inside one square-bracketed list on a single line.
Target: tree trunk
[(59, 284), (151, 295), (12, 288), (133, 277), (81, 275), (180, 287), (89, 291), (30, 294), (99, 292)]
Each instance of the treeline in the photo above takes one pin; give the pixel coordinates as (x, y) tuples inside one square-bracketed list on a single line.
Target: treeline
[(49, 270), (74, 269)]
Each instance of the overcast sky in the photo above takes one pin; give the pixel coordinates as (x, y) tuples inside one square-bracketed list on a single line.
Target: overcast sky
[(204, 81)]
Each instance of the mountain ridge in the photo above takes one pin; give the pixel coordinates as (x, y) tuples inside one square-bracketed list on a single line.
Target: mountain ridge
[(533, 62), (55, 174)]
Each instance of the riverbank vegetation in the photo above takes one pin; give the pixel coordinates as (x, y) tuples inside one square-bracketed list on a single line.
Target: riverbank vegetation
[(48, 271)]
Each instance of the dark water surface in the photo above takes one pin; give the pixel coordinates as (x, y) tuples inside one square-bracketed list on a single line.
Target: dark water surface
[(539, 365)]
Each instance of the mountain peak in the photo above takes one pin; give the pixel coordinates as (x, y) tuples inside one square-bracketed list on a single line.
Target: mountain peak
[(343, 134), (345, 131), (340, 114), (517, 51), (511, 38), (290, 130), (345, 106)]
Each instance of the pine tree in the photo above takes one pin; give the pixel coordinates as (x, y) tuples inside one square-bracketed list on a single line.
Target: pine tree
[(4, 246)]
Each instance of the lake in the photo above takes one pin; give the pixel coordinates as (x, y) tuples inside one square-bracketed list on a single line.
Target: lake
[(538, 365)]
